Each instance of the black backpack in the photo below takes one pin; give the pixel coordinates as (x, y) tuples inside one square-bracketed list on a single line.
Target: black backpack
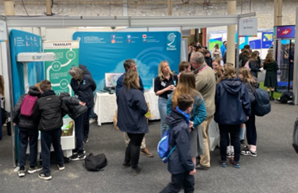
[(95, 163), (295, 136), (262, 102), (285, 97)]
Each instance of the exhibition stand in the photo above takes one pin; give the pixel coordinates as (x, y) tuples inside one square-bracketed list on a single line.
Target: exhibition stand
[(102, 52)]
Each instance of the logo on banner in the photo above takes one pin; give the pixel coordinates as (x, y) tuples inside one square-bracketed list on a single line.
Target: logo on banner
[(113, 39), (144, 37), (171, 42), (285, 32), (128, 38)]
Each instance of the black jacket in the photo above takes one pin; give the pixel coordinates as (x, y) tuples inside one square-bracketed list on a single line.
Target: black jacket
[(47, 111), (84, 88), (243, 58), (208, 61), (232, 102), (23, 122), (254, 69), (132, 108), (71, 106), (180, 159)]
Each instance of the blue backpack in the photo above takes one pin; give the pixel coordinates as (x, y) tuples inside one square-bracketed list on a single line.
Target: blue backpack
[(163, 147), (262, 103)]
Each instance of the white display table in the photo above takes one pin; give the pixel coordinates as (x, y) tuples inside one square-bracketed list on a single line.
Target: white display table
[(105, 106)]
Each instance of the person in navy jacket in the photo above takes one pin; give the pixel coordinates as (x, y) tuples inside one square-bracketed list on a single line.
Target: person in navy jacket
[(83, 86), (180, 163), (130, 64), (132, 108), (232, 109)]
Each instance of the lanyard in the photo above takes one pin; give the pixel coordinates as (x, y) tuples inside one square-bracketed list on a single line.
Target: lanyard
[(202, 69)]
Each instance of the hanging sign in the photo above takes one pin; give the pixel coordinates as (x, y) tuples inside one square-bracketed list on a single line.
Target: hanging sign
[(248, 27)]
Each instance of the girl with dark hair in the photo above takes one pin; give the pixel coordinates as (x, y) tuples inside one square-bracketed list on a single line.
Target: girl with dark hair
[(271, 68), (253, 64)]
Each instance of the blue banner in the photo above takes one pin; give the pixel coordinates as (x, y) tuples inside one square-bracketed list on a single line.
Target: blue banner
[(255, 44), (105, 52), (267, 39)]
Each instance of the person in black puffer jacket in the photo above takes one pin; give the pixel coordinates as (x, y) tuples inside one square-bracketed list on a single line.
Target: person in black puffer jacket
[(76, 110), (27, 129), (83, 86), (47, 112)]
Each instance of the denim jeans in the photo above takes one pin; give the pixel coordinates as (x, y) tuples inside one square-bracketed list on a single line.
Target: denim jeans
[(162, 107)]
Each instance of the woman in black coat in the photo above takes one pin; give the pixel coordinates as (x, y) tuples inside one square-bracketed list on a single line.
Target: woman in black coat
[(253, 64), (132, 108), (271, 68)]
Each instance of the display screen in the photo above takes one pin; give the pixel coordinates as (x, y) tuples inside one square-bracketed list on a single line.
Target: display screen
[(111, 79)]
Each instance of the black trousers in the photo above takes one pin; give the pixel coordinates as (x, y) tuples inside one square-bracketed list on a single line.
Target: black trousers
[(48, 138), (86, 123), (132, 153), (234, 131), (24, 134), (179, 181), (79, 126)]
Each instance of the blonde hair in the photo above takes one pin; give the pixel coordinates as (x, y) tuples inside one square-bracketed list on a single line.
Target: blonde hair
[(45, 85), (246, 75), (2, 85), (186, 85), (229, 71), (160, 66), (131, 79)]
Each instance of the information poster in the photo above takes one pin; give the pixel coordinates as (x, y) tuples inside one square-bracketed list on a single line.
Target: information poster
[(67, 55), (267, 39), (105, 52)]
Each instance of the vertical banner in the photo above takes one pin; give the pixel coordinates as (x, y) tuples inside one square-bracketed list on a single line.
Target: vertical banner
[(67, 55)]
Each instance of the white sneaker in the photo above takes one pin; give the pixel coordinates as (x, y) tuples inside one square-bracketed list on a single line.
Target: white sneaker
[(91, 121)]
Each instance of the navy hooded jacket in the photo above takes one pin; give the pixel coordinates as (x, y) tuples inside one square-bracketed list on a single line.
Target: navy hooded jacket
[(132, 108), (120, 83), (232, 102), (180, 160)]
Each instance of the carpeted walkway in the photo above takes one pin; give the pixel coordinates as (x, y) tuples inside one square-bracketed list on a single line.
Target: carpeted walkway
[(275, 169)]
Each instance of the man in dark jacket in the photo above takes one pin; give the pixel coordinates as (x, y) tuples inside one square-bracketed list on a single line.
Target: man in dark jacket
[(27, 129), (180, 163), (83, 86), (47, 112), (130, 64)]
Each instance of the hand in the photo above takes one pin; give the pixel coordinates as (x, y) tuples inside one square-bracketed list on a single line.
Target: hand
[(247, 117), (190, 124), (171, 87), (14, 124), (82, 103), (193, 172)]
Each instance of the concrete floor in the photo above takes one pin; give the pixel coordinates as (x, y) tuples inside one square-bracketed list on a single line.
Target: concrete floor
[(273, 170)]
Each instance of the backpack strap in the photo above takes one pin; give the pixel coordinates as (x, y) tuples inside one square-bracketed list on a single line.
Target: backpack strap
[(171, 151)]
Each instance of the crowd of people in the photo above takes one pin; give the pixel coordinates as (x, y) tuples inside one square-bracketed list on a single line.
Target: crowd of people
[(204, 90)]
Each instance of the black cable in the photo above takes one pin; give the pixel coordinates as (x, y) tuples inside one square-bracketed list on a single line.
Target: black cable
[(25, 7)]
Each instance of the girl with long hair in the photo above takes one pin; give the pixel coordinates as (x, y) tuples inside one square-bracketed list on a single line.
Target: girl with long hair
[(232, 109), (186, 85), (217, 68), (271, 68), (164, 85), (132, 108), (216, 53), (251, 132), (253, 64)]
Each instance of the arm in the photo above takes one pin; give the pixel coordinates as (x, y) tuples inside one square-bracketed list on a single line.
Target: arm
[(36, 114), (200, 83), (141, 103), (200, 113), (183, 146), (71, 101), (217, 95), (157, 89), (169, 104), (73, 86), (17, 108), (253, 67), (119, 83), (93, 85), (246, 105), (276, 66)]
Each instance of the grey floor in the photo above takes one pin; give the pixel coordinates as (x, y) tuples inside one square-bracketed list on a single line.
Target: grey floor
[(275, 169)]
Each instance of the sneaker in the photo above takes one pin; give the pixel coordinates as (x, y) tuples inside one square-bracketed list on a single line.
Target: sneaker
[(248, 152), (77, 157), (61, 167), (34, 169), (86, 140), (75, 151), (235, 164), (136, 171), (44, 176), (126, 165), (22, 172), (223, 163), (146, 152), (91, 121)]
